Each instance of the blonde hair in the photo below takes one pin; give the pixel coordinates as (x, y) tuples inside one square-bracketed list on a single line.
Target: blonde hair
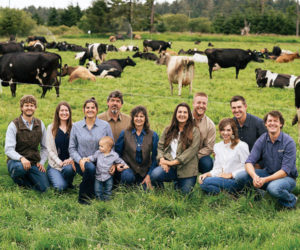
[(108, 141)]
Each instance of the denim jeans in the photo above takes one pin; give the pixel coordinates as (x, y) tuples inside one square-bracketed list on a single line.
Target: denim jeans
[(280, 188), (205, 164), (103, 189), (128, 177), (86, 187), (214, 185), (158, 176), (32, 177), (63, 179)]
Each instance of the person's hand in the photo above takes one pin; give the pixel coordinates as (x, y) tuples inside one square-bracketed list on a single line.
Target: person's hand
[(26, 164), (165, 167), (226, 176), (261, 182), (112, 169), (162, 161), (81, 164), (121, 167), (256, 181), (201, 178), (41, 167), (67, 162), (147, 181)]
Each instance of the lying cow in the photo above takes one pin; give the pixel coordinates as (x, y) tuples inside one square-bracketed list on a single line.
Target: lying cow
[(154, 45), (110, 47), (180, 69), (103, 71), (128, 48), (35, 46), (35, 38), (190, 52), (95, 51), (30, 67), (266, 78), (78, 72), (226, 58), (284, 58), (146, 56), (11, 47)]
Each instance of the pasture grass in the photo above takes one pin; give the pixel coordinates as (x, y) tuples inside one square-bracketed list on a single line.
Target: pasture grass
[(135, 219)]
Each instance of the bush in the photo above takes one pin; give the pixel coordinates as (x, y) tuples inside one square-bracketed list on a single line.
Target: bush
[(175, 23), (200, 24), (65, 30)]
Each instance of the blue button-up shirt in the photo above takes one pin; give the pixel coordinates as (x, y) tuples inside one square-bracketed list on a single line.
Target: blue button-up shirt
[(280, 155), (85, 142), (139, 141), (252, 129)]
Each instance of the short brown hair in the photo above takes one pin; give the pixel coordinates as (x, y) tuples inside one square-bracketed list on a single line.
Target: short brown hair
[(115, 94), (108, 140), (28, 99), (237, 98), (277, 114), (200, 94)]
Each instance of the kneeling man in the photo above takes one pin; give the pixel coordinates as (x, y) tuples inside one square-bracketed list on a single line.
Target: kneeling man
[(278, 153)]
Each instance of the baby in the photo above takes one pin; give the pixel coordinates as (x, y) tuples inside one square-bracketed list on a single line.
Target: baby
[(105, 158)]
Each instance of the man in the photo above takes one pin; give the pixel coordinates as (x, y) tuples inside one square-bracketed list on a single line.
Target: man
[(249, 126), (207, 131), (278, 152), (23, 137), (117, 120)]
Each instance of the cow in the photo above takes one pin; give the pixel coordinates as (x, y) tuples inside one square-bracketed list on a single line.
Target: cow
[(103, 71), (94, 50), (51, 45), (297, 104), (266, 78), (111, 47), (112, 39), (226, 58), (137, 37), (146, 56), (284, 58), (34, 38), (154, 45), (11, 47), (125, 48), (197, 42), (180, 69), (35, 46), (30, 67), (190, 52), (78, 72)]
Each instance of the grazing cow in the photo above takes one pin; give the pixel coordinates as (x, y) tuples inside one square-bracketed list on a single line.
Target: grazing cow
[(78, 72), (128, 48), (284, 58), (226, 58), (297, 104), (35, 46), (180, 69), (31, 67), (154, 45), (94, 50), (34, 38), (10, 48), (146, 55), (266, 78), (103, 71)]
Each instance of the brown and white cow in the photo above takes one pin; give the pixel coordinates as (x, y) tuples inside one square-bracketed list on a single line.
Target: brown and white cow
[(78, 72), (180, 70), (284, 58)]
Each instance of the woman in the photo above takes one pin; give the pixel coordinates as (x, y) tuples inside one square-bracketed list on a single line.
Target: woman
[(230, 157), (84, 141), (61, 168), (177, 151), (137, 146)]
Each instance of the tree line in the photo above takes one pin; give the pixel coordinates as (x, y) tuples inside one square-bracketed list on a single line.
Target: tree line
[(209, 16)]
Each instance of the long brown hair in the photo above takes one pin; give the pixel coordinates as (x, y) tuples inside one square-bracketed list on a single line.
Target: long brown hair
[(135, 111), (235, 138), (56, 121), (186, 136)]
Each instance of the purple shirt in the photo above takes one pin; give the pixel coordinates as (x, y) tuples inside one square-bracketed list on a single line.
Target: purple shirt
[(280, 155)]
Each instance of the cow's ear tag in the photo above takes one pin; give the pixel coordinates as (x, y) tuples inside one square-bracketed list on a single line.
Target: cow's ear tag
[(249, 53)]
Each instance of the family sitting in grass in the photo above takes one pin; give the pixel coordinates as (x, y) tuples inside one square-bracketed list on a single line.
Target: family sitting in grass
[(118, 149)]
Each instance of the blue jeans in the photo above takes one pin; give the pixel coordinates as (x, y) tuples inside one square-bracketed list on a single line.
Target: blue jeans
[(32, 177), (214, 185), (280, 188), (205, 164), (103, 189), (63, 179), (158, 176), (86, 187), (128, 177)]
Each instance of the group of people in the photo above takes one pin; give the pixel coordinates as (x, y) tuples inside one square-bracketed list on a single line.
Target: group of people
[(113, 148)]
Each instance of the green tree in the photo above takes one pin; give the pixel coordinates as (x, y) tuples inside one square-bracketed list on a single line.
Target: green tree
[(200, 24), (13, 22), (176, 22), (71, 16), (53, 19)]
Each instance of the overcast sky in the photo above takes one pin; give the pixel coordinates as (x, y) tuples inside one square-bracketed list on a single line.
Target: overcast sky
[(20, 4)]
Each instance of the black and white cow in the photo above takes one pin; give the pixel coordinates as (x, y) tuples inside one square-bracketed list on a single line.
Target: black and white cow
[(95, 51), (110, 47), (35, 38), (35, 46), (146, 55), (125, 48), (226, 58), (266, 78), (30, 67), (154, 45)]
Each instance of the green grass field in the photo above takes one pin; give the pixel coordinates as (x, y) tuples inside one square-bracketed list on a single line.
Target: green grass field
[(135, 219)]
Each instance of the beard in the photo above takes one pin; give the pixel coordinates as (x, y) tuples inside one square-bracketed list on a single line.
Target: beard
[(114, 111)]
